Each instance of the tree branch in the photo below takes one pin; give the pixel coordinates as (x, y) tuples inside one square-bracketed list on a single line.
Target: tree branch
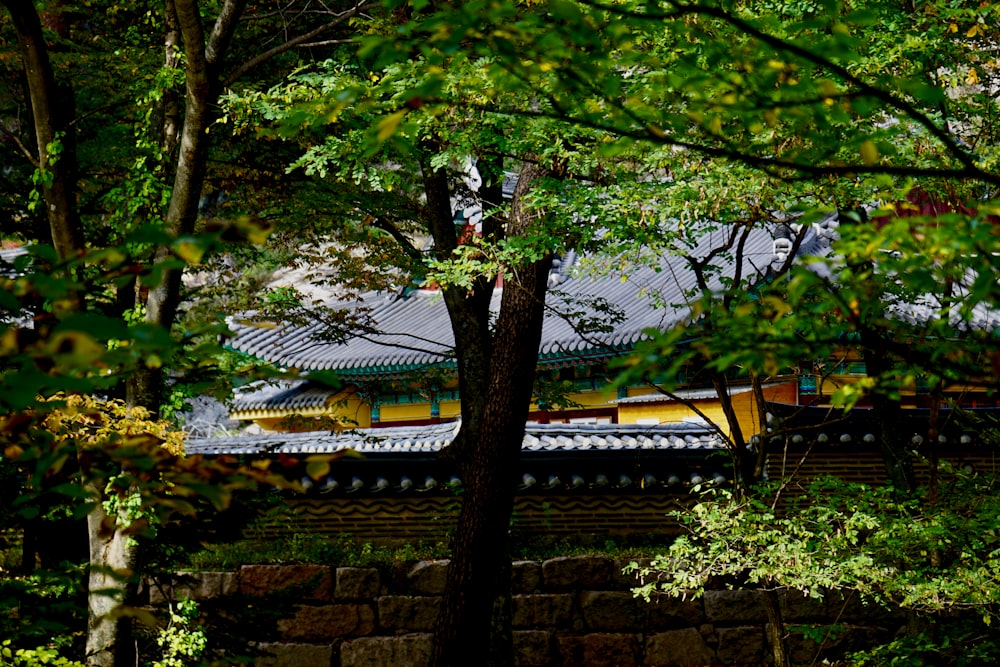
[(396, 234), (781, 44), (295, 42), (24, 149), (775, 167), (223, 30), (51, 110)]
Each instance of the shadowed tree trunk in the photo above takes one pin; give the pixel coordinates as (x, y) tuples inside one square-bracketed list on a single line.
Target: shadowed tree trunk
[(51, 116), (475, 622)]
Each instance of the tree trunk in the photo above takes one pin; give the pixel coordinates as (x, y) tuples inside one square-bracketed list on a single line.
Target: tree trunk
[(468, 311), (879, 366), (111, 579), (738, 452), (201, 83), (775, 628), (895, 454), (51, 116), (475, 622)]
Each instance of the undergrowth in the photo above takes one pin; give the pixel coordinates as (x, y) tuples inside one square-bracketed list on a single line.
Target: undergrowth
[(276, 538)]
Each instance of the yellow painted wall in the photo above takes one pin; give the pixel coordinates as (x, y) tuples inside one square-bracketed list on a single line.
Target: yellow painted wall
[(350, 408), (639, 391), (829, 384), (354, 409), (744, 403), (405, 411), (451, 409), (666, 411), (411, 411), (587, 399)]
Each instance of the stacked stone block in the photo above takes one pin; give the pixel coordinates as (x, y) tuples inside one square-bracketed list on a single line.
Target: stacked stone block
[(568, 612)]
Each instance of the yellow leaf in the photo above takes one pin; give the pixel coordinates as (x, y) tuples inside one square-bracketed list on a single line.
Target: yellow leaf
[(258, 325), (318, 469), (973, 31), (972, 78), (869, 153), (189, 250), (8, 342), (952, 28), (75, 346), (255, 230), (388, 125)]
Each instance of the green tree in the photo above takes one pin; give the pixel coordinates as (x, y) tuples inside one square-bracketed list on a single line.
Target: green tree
[(401, 185), (820, 96), (129, 185), (634, 101)]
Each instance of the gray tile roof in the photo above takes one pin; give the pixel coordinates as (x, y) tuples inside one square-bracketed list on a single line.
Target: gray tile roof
[(860, 427), (416, 440), (684, 394), (7, 257), (605, 458), (282, 395), (414, 331)]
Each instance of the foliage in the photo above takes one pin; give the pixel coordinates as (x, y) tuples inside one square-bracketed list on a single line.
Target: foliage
[(43, 608), (73, 452), (20, 657), (74, 443), (302, 547), (181, 642), (802, 91), (959, 642), (929, 556)]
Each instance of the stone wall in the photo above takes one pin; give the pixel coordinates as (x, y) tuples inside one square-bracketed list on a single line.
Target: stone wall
[(568, 612)]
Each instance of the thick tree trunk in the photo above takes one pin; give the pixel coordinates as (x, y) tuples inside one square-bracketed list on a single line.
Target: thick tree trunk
[(111, 578), (468, 310), (474, 626)]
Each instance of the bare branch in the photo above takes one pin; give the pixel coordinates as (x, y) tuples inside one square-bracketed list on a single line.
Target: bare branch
[(296, 42), (329, 42), (396, 234), (24, 149)]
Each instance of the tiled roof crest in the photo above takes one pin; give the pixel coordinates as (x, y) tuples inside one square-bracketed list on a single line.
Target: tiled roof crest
[(432, 438)]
